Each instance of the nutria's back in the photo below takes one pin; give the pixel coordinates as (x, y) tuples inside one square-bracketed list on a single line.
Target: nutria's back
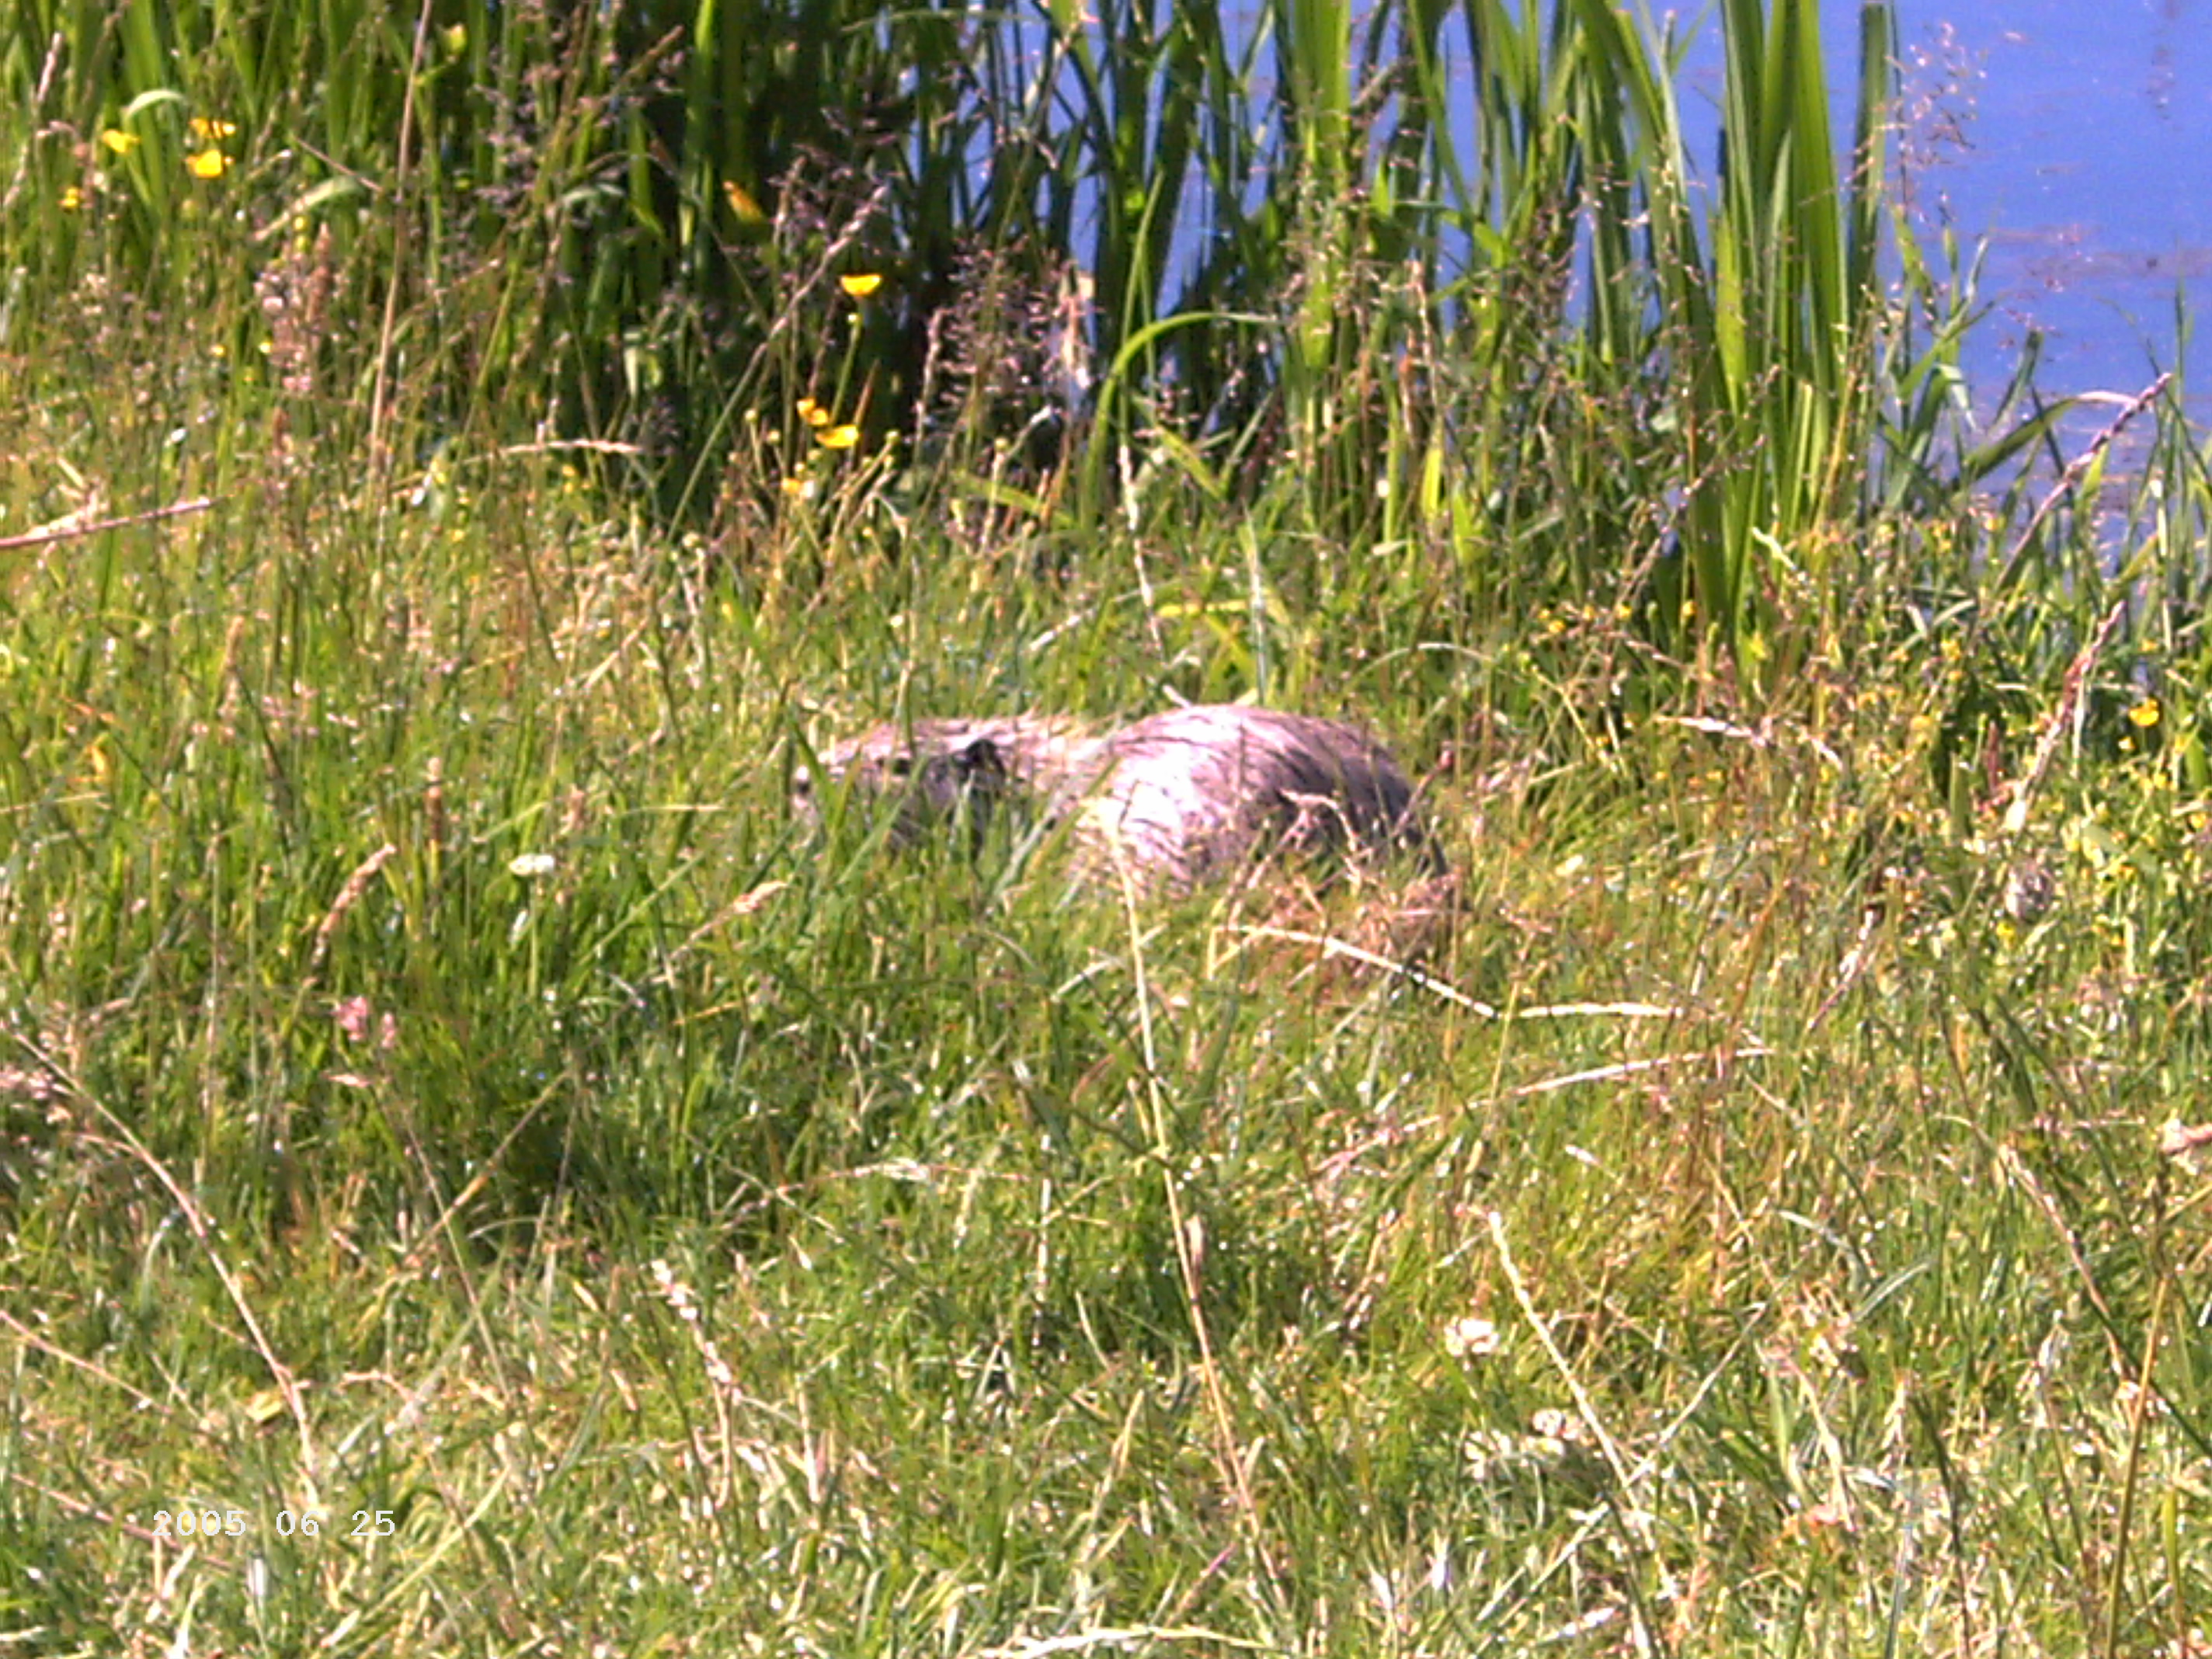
[(1175, 798), (1196, 791)]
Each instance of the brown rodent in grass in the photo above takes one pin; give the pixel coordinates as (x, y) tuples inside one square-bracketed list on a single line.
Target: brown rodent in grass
[(1172, 798)]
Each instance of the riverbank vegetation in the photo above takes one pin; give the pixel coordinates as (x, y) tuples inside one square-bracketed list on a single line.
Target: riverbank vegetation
[(459, 468)]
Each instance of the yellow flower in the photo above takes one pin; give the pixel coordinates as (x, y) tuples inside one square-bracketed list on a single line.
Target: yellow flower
[(742, 203), (209, 163), (838, 437), (72, 199), (118, 141), (799, 489), (860, 284), (205, 129), (812, 413), (2145, 713)]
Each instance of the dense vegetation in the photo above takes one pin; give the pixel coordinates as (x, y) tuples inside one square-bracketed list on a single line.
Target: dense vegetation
[(460, 466)]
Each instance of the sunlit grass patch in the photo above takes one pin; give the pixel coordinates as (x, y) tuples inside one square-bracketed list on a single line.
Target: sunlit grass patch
[(615, 1159)]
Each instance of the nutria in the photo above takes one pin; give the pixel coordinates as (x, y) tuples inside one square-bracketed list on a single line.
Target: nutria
[(1172, 798)]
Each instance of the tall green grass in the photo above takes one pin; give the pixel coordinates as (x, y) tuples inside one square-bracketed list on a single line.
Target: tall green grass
[(444, 1081), (1150, 239)]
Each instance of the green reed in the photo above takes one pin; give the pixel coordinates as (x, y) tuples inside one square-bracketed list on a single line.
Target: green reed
[(586, 223)]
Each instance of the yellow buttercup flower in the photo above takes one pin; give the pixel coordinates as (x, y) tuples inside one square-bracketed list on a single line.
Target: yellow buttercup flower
[(2145, 713), (119, 142), (812, 413), (206, 129), (72, 199), (209, 163), (799, 489), (861, 284), (838, 437)]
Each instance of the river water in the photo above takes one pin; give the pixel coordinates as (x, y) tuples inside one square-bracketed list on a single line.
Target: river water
[(2076, 136)]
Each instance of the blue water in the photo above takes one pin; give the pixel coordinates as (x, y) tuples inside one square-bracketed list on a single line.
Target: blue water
[(2077, 136)]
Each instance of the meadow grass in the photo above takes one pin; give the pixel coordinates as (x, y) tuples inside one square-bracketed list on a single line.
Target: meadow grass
[(1735, 1231), (450, 1096)]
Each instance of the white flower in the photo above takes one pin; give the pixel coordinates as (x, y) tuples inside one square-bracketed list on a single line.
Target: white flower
[(1470, 1337)]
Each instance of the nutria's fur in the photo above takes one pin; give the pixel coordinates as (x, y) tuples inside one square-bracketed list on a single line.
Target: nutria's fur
[(1175, 798)]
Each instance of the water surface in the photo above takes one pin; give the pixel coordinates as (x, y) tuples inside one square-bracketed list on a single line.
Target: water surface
[(2078, 138)]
